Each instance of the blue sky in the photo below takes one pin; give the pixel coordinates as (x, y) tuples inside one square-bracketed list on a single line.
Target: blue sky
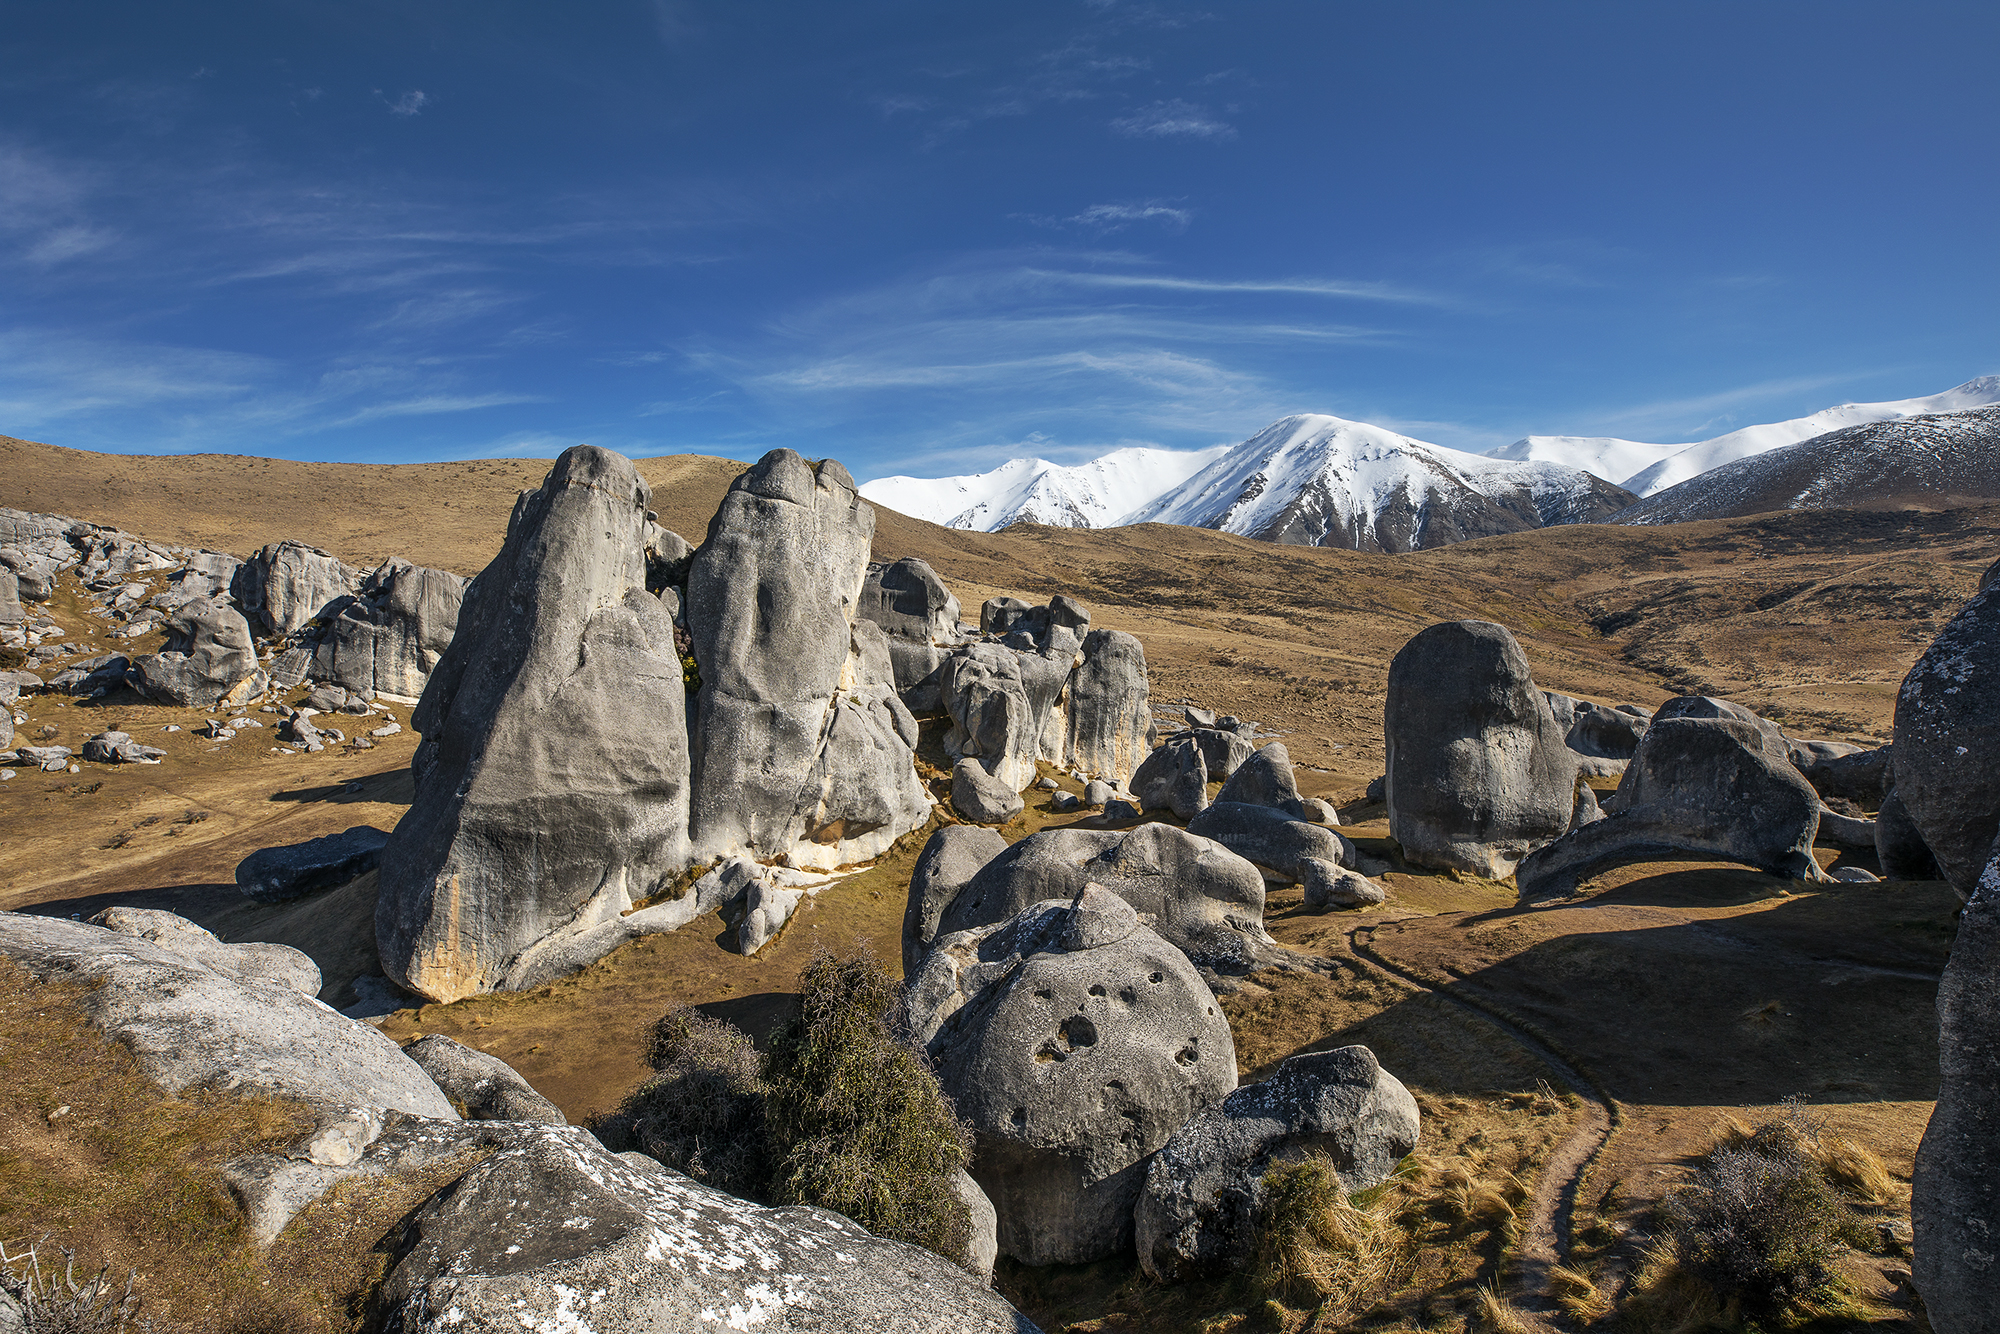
[(926, 237)]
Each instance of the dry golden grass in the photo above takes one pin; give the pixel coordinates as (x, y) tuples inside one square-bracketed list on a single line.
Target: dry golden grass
[(1578, 1294), (1319, 1250), (1496, 1315)]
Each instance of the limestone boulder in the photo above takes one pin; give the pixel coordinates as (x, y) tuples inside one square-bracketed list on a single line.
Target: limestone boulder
[(1947, 740), (1075, 1041), (1862, 776), (1266, 778), (1955, 1192), (288, 585), (919, 616), (555, 1233), (1109, 714), (1479, 774), (487, 1087), (208, 659), (1714, 786), (1174, 777), (1202, 898), (11, 611), (290, 871), (802, 749), (1604, 733), (997, 615), (980, 797), (389, 638), (994, 719), (946, 865), (199, 1014), (1899, 844), (1329, 885), (552, 781), (1271, 838), (1199, 1213)]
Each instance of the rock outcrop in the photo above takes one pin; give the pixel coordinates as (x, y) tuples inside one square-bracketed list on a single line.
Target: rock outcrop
[(290, 871), (1714, 786), (947, 864), (979, 796), (1271, 838), (388, 639), (1075, 1041), (554, 1233), (1173, 778), (1198, 1216), (1955, 1191), (1479, 774), (1202, 898), (487, 1087), (1109, 711), (802, 748), (288, 585), (1947, 747), (919, 616), (209, 659), (552, 781)]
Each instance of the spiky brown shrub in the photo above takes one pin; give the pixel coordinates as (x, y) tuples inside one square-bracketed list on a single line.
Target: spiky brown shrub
[(703, 1113)]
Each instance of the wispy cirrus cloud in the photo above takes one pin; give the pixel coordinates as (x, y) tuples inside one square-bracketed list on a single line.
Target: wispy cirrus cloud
[(1174, 119), (411, 103), (431, 405), (1326, 287), (1103, 219), (1702, 412)]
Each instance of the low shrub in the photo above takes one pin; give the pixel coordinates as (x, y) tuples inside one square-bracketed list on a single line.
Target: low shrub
[(1314, 1246), (53, 1301), (844, 1113)]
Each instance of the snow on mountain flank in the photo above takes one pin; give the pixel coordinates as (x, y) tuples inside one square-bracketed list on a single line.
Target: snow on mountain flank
[(1647, 469), (1323, 481), (1097, 494)]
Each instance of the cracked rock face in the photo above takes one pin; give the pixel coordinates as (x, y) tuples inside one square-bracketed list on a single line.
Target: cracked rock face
[(553, 1233), (1075, 1041), (1955, 1192), (289, 584), (1109, 712), (1478, 772), (802, 749), (552, 783), (391, 637), (1947, 748), (208, 659)]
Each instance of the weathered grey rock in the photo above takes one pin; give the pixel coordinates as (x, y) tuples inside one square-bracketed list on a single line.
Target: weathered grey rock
[(1271, 838), (1198, 1216), (993, 717), (1075, 1041), (947, 864), (208, 660), (668, 556), (392, 635), (1856, 875), (1173, 778), (1586, 811), (553, 785), (979, 796), (1715, 786), (555, 1233), (1109, 711), (984, 1247), (1064, 802), (1899, 845), (50, 759), (253, 963), (1222, 751), (1201, 897), (1858, 775), (200, 1014), (1603, 732), (1097, 792), (801, 751), (1264, 778), (1117, 810), (203, 575), (273, 875), (11, 612), (288, 585), (1947, 746), (1955, 1192), (997, 615), (909, 601), (1479, 773), (766, 910), (300, 731), (119, 748), (92, 676), (1844, 831), (1331, 885), (487, 1087)]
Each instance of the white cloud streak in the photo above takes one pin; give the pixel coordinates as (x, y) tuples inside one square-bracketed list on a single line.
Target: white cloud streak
[(1174, 119)]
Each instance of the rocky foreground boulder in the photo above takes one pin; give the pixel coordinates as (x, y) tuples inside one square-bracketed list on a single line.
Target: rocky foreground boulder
[(1955, 1192), (1479, 774), (554, 1233), (802, 749), (920, 617), (552, 781), (1947, 747), (1075, 1041), (1198, 1215), (1202, 898), (1713, 786)]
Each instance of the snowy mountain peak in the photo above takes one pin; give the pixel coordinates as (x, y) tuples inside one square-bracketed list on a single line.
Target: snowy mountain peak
[(1097, 494)]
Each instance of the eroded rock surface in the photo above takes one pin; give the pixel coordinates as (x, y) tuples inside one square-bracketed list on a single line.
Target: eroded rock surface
[(946, 865), (208, 659), (1947, 747), (389, 638)]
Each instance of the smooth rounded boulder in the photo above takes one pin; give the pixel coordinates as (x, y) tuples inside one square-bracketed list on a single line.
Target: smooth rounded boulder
[(1947, 741), (208, 659), (947, 864), (552, 781), (1479, 774), (1198, 1216), (980, 797), (1173, 778), (1271, 838), (1075, 1041)]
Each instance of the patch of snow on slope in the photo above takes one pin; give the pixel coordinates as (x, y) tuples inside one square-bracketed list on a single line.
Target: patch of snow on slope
[(1600, 455), (1097, 494)]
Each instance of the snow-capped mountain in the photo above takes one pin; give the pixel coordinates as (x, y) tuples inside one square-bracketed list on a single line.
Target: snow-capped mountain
[(1314, 480), (1932, 459), (1097, 494), (1647, 469)]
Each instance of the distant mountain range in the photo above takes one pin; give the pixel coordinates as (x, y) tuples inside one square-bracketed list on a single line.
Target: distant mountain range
[(1323, 481)]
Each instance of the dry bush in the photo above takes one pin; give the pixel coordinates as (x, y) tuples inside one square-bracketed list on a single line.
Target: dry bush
[(703, 1113), (56, 1303), (1314, 1246), (857, 1121), (1854, 1169)]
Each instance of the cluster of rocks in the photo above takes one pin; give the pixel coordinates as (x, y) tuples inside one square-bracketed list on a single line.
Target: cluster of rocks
[(537, 1223), (1064, 989)]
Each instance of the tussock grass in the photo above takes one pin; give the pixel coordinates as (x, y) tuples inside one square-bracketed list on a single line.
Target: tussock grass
[(703, 1113), (1314, 1246), (1496, 1315), (1578, 1295)]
